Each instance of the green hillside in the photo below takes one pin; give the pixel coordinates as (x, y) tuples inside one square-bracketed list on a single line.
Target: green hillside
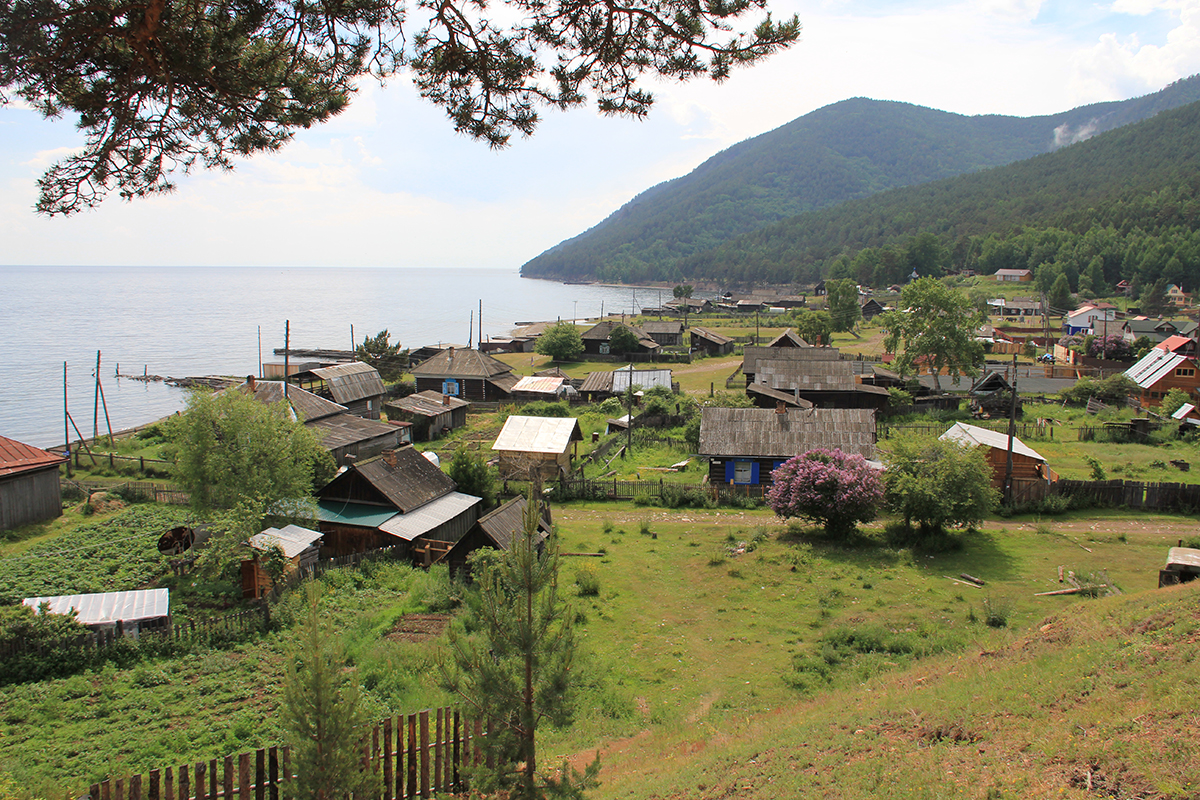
[(845, 151)]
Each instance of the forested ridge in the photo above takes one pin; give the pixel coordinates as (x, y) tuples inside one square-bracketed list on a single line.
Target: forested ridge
[(847, 151)]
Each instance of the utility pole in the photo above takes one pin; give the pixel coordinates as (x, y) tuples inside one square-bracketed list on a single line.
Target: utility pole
[(1012, 430), (287, 351)]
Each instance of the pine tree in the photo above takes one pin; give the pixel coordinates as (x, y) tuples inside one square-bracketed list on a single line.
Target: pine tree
[(513, 665), (322, 713)]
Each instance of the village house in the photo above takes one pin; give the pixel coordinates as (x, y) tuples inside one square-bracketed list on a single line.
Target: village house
[(1016, 307), (355, 386), (1156, 330), (499, 529), (817, 375), (30, 490), (601, 385), (744, 445), (710, 342), (346, 436), (788, 339), (465, 374), (1090, 319), (1028, 464), (1013, 275), (398, 499), (871, 309), (1160, 371), (668, 333), (1183, 345), (430, 414), (539, 447), (595, 339), (1177, 297)]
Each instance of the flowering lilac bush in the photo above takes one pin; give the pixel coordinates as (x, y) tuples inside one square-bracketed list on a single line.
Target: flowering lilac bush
[(1112, 347), (836, 489)]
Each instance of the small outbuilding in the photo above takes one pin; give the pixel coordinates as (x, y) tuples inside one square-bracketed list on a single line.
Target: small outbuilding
[(1028, 464), (1183, 566), (500, 529), (466, 374), (300, 546), (711, 342), (30, 490), (432, 414), (539, 446), (356, 386), (127, 613)]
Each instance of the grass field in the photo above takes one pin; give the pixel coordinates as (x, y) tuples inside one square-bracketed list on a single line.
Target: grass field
[(724, 653)]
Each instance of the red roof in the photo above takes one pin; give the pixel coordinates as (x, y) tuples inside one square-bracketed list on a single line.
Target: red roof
[(16, 457), (1172, 343)]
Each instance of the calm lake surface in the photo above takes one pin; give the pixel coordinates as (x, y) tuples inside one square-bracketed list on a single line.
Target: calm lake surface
[(193, 321)]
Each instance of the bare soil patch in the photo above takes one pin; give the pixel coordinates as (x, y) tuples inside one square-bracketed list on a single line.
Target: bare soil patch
[(418, 627)]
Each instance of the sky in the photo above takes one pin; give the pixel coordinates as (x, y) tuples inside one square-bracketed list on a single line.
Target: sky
[(389, 184)]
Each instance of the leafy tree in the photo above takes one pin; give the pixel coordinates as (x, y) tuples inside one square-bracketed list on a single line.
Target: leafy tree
[(470, 471), (1112, 390), (1174, 400), (623, 340), (937, 483), (814, 327), (684, 292), (322, 711), (1059, 295), (937, 324), (562, 342), (387, 358), (168, 85), (241, 461), (511, 660), (842, 299), (1112, 346), (836, 489), (1153, 301)]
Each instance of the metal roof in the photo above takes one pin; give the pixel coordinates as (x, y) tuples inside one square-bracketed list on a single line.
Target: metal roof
[(974, 436), (1154, 366), (1183, 411), (538, 384), (292, 540), (95, 609), (538, 434), (645, 378), (16, 457), (348, 513), (762, 432), (351, 382), (421, 521)]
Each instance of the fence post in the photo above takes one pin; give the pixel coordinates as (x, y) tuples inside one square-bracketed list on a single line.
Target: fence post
[(185, 791), (424, 718), (199, 776), (244, 776), (260, 774), (153, 792), (412, 755), (274, 766), (169, 786)]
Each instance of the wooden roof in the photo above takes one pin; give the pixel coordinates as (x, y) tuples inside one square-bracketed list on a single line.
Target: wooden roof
[(462, 363), (788, 339), (602, 330), (814, 375), (341, 430), (663, 326), (504, 525), (752, 354), (350, 382), (712, 336), (403, 479), (778, 395), (597, 382), (428, 403), (308, 406), (763, 432), (16, 457)]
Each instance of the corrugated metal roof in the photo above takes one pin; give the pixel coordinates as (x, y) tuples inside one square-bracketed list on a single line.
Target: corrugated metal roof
[(761, 432), (347, 513), (95, 609), (975, 436), (538, 434), (422, 520), (1154, 366), (16, 457), (351, 382), (541, 385), (645, 378), (292, 540)]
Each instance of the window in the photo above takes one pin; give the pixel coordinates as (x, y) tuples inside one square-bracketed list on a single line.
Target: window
[(1186, 372), (743, 471)]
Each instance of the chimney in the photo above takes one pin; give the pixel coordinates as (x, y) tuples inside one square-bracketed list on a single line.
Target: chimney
[(451, 352), (445, 399), (250, 382), (780, 408), (389, 458)]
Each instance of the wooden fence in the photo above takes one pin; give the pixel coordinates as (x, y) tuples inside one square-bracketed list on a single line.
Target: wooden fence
[(141, 490), (632, 490), (430, 758), (1178, 497)]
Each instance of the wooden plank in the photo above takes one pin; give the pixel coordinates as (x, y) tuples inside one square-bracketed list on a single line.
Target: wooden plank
[(185, 791), (288, 790), (227, 776), (388, 765), (244, 776), (260, 774), (200, 785), (273, 759), (155, 777), (424, 720), (456, 753), (439, 731), (119, 789), (135, 787), (412, 756), (169, 785), (212, 779), (105, 789)]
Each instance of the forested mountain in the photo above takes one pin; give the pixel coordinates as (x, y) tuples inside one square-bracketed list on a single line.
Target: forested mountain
[(848, 150)]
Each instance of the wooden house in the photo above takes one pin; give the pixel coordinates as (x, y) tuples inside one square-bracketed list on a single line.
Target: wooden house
[(596, 338), (788, 339), (499, 529), (300, 546), (667, 333), (126, 613), (1013, 275), (465, 374), (601, 385), (743, 445), (1160, 371), (347, 437), (872, 308), (30, 490), (356, 386), (1028, 464), (1183, 345), (400, 498), (1156, 330), (431, 414), (541, 446), (815, 374), (711, 342), (544, 388)]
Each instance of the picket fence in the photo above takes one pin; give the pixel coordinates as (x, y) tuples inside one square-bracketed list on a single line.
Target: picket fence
[(431, 757)]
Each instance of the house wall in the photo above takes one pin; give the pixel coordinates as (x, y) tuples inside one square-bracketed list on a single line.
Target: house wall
[(28, 497), (367, 408), (343, 540), (725, 470), (1024, 467), (468, 389), (1153, 395), (515, 464)]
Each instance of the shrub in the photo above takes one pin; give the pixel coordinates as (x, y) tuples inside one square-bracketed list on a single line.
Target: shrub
[(835, 489), (588, 582), (1112, 390), (1174, 400)]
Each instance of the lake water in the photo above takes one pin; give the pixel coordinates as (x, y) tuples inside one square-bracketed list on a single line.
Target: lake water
[(192, 321)]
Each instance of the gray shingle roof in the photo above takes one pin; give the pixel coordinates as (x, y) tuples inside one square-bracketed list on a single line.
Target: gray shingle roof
[(350, 382), (763, 432)]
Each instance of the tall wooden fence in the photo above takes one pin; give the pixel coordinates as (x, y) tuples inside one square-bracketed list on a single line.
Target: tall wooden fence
[(418, 755), (1178, 497), (632, 490)]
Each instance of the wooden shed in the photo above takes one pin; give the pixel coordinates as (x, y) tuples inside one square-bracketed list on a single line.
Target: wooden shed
[(1183, 566), (668, 333), (711, 342), (300, 547), (432, 414), (539, 446), (743, 445), (356, 386), (1028, 464), (596, 338), (499, 529), (30, 490)]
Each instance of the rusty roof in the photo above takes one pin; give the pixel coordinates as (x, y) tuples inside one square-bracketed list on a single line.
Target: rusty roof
[(762, 432), (350, 382), (16, 457)]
